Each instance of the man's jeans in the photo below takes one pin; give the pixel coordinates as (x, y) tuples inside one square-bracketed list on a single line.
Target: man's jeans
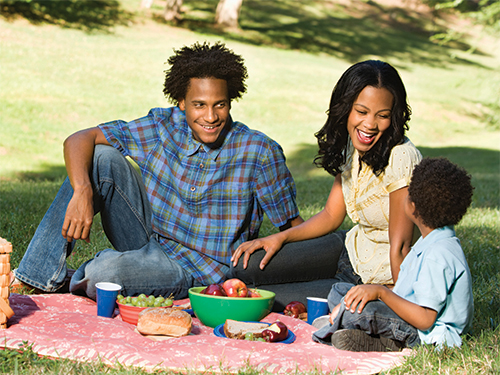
[(140, 265), (299, 270)]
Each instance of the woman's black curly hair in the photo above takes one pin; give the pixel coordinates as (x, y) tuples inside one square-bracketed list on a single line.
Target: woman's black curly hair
[(333, 137), (204, 61), (441, 192)]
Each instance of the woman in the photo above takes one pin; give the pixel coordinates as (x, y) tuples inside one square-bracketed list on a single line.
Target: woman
[(363, 145)]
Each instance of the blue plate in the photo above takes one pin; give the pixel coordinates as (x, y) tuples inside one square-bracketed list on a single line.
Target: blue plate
[(219, 332), (189, 311)]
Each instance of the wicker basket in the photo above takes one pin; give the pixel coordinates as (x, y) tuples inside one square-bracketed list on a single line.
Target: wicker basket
[(5, 310)]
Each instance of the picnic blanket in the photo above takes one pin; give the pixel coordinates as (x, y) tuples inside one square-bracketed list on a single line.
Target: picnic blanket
[(67, 326)]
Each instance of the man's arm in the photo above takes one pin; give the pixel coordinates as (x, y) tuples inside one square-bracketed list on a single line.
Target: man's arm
[(78, 155)]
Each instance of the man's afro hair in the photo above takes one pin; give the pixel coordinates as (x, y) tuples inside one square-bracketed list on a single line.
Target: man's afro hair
[(204, 61)]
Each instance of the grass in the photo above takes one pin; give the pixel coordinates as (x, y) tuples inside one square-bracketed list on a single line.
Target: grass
[(62, 73)]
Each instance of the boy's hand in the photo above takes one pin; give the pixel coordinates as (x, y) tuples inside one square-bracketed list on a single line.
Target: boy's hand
[(360, 295)]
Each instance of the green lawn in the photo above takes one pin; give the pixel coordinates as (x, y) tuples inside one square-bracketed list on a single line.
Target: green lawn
[(59, 78)]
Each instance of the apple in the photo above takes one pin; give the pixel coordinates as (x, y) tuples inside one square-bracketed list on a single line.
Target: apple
[(214, 290), (277, 331), (235, 288), (253, 293), (294, 309)]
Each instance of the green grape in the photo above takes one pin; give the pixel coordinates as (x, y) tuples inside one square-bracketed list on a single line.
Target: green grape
[(120, 297), (128, 300), (168, 302), (150, 300), (135, 301), (249, 336), (260, 339), (142, 296), (160, 299)]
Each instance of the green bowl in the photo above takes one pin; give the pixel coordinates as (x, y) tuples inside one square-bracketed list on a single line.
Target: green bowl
[(214, 310)]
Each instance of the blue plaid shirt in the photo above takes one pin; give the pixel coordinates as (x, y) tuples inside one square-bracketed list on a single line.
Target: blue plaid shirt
[(205, 202)]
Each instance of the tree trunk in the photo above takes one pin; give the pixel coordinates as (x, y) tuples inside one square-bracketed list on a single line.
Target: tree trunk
[(227, 13), (146, 4), (172, 10)]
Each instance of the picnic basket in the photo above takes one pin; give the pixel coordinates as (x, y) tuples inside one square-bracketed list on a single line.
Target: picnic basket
[(5, 310)]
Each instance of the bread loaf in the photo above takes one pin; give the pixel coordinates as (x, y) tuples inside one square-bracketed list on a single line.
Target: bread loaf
[(236, 330), (164, 321)]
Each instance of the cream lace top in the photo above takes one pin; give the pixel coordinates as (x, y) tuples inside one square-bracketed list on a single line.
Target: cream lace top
[(366, 198)]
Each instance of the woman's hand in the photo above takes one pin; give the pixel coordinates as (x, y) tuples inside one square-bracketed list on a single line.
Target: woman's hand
[(271, 244), (359, 295)]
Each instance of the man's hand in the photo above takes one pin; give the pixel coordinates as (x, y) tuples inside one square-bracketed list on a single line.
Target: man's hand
[(360, 295), (271, 244), (79, 216)]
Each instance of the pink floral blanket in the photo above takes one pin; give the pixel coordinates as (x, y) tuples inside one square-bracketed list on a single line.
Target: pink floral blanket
[(67, 326)]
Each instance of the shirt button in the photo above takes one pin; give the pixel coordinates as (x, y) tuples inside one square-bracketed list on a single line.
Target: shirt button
[(193, 188), (201, 165)]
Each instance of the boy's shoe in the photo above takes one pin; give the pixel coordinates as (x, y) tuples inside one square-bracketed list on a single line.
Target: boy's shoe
[(321, 321), (356, 340)]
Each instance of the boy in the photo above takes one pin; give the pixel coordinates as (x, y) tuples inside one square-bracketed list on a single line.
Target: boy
[(432, 300)]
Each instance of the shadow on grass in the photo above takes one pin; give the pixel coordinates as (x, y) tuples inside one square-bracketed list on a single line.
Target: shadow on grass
[(482, 164), (351, 30), (348, 31), (89, 15)]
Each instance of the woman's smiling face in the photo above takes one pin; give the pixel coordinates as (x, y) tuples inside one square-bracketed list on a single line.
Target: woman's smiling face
[(370, 117)]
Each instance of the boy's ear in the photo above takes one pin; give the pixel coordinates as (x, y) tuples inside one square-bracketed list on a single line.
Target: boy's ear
[(182, 105), (412, 205)]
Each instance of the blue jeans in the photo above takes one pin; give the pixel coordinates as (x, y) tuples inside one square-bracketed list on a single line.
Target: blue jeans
[(376, 318), (138, 264), (343, 281), (299, 270)]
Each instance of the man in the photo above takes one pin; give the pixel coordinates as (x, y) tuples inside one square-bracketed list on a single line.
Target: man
[(206, 183)]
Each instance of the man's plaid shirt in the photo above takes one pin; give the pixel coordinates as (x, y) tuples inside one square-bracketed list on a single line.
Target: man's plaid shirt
[(205, 202)]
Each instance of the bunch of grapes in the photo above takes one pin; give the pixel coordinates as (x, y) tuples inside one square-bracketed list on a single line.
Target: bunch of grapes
[(145, 301)]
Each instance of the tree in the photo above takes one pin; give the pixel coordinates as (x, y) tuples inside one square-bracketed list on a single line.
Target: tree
[(486, 12), (227, 13), (172, 10)]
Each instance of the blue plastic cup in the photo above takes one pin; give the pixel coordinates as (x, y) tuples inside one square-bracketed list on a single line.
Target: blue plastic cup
[(106, 298), (316, 307)]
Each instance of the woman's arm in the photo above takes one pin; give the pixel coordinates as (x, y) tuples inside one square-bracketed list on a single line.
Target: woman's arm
[(327, 220), (418, 316), (400, 230)]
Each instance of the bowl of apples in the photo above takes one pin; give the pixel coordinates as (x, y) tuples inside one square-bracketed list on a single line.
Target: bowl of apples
[(216, 303)]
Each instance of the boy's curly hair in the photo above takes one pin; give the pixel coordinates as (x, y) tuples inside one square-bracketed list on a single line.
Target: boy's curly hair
[(441, 192), (204, 61)]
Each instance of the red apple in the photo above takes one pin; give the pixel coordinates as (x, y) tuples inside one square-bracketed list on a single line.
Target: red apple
[(294, 309), (235, 288), (253, 293), (214, 290)]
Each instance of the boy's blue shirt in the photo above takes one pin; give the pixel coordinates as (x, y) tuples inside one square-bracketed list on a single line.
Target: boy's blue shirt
[(435, 274)]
